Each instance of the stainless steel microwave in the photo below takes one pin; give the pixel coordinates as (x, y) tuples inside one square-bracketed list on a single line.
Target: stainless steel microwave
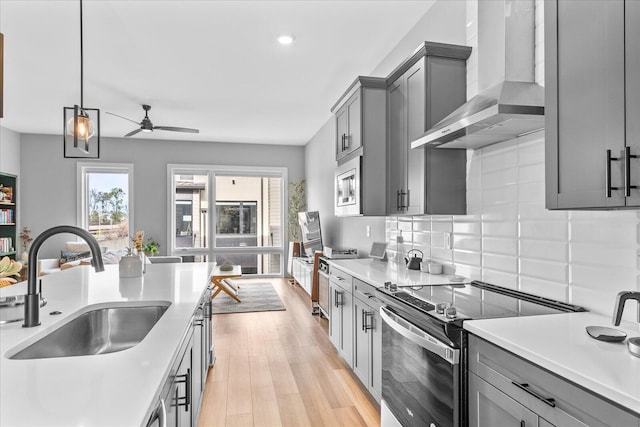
[(347, 188)]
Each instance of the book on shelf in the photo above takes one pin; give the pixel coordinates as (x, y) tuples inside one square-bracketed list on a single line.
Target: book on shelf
[(6, 216), (6, 244)]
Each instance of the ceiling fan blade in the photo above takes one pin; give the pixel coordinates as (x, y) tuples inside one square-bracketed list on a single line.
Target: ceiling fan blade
[(122, 117), (133, 132), (175, 129)]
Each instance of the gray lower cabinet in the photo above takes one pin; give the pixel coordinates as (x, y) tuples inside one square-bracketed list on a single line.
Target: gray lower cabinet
[(367, 348), (181, 396), (505, 389), (592, 102), (341, 313), (422, 91), (488, 406)]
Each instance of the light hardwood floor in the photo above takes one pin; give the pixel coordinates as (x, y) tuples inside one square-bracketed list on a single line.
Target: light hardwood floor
[(279, 369)]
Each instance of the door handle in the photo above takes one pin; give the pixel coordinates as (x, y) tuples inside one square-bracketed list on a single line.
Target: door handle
[(627, 171), (608, 186)]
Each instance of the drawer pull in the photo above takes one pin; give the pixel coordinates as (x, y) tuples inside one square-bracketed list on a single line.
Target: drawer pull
[(525, 387)]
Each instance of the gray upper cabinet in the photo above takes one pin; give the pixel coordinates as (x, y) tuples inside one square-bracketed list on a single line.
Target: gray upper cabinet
[(422, 91), (592, 92), (359, 116)]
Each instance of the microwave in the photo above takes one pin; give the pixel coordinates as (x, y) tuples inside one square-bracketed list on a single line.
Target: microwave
[(347, 188)]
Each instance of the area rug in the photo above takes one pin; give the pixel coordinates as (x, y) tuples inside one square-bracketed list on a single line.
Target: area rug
[(256, 296)]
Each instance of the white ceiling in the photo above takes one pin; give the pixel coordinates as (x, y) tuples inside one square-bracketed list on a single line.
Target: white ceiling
[(212, 65)]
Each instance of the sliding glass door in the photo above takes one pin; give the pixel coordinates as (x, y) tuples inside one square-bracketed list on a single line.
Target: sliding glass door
[(229, 214)]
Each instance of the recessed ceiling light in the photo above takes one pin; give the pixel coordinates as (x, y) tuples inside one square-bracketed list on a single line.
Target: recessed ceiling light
[(285, 39)]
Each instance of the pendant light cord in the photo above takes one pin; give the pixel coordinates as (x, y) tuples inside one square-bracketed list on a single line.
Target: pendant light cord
[(81, 62)]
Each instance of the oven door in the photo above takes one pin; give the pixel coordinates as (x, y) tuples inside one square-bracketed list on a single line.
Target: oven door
[(420, 376)]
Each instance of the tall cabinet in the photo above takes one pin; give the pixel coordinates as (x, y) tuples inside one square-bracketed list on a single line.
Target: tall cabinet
[(592, 92), (8, 215), (422, 91)]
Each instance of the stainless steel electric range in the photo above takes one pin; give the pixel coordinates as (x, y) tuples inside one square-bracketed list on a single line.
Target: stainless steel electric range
[(424, 380)]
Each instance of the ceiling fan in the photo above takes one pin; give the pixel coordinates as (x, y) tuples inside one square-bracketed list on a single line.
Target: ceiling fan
[(147, 126)]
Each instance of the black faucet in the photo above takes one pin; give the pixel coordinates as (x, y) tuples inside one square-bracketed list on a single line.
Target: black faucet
[(619, 308), (32, 298)]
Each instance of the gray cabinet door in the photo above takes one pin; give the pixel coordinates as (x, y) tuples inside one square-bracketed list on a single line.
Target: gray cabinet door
[(342, 130), (488, 406), (375, 382), (347, 327), (396, 146), (354, 119), (334, 316), (349, 126), (632, 93), (584, 56), (361, 341), (415, 118)]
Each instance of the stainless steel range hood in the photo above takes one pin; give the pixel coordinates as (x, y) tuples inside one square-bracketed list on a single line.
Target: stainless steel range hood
[(506, 110)]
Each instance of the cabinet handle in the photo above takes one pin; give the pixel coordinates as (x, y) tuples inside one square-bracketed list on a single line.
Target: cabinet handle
[(525, 387), (398, 200), (608, 186), (365, 325), (627, 171), (186, 380), (522, 423), (406, 206), (346, 141), (363, 320)]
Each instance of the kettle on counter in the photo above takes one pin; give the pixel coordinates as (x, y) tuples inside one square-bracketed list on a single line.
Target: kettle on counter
[(413, 263)]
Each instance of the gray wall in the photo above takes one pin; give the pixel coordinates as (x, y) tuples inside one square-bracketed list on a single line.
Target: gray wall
[(444, 23), (49, 181), (9, 151)]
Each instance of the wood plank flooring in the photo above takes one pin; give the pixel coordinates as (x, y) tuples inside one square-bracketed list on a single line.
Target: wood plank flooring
[(279, 369)]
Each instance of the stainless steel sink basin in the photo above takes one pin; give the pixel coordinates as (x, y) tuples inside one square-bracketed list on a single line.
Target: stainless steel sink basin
[(100, 331)]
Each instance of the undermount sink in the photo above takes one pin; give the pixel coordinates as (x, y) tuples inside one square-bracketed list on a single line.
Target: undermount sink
[(99, 331)]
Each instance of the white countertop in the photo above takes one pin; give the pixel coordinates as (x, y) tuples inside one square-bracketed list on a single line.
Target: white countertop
[(376, 272), (116, 389), (560, 344)]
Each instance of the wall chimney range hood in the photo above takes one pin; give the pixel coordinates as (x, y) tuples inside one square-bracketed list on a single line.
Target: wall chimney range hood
[(512, 107)]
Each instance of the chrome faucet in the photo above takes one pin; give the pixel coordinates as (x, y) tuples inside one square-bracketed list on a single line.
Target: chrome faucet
[(621, 299), (32, 298)]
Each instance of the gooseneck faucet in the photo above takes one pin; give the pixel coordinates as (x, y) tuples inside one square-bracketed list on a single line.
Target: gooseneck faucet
[(32, 298), (621, 299)]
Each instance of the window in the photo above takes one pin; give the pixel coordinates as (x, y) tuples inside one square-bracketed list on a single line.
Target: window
[(105, 203), (247, 221)]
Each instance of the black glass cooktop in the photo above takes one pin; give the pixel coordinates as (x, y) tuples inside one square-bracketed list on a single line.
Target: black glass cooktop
[(475, 300)]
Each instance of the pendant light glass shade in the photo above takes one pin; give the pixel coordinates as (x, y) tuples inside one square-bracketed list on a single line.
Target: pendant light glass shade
[(81, 126)]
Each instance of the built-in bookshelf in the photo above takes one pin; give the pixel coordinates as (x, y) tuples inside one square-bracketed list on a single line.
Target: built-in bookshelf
[(8, 215)]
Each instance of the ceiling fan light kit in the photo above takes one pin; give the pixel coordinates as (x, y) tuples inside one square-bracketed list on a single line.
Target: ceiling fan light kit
[(81, 125)]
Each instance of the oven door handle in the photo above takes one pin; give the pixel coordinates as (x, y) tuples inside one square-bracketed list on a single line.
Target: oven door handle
[(421, 338)]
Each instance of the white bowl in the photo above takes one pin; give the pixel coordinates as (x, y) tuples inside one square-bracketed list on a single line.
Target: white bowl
[(435, 268)]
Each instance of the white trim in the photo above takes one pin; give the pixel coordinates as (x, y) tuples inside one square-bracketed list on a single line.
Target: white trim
[(82, 168), (226, 170)]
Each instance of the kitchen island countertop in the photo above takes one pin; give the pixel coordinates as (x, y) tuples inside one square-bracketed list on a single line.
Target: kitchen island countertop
[(559, 343), (115, 389)]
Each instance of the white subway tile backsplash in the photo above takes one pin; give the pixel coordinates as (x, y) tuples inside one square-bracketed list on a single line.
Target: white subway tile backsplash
[(500, 245), (547, 270), (500, 229), (504, 263), (508, 237), (545, 250), (544, 230)]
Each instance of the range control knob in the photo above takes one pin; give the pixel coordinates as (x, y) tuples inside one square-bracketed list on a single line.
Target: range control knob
[(441, 306), (450, 313)]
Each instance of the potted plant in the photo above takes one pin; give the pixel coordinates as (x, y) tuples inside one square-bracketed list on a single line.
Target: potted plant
[(26, 239), (296, 204), (150, 247)]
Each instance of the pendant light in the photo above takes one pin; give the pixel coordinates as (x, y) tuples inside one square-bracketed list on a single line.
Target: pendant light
[(81, 124)]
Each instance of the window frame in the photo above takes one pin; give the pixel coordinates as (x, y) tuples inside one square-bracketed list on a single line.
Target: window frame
[(85, 168), (213, 171)]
